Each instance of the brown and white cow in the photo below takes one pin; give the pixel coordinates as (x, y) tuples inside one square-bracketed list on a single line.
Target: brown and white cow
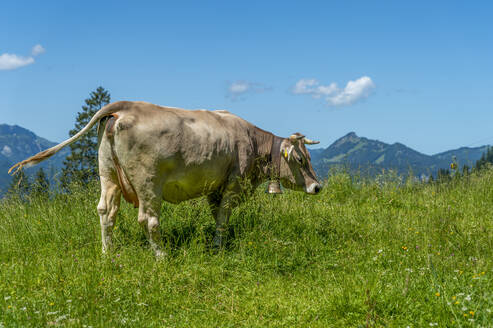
[(149, 153)]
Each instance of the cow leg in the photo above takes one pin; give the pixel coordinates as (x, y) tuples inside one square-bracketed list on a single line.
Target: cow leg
[(149, 220), (221, 210), (108, 208)]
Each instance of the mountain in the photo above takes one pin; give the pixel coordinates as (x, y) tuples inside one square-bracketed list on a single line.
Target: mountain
[(16, 144), (371, 156)]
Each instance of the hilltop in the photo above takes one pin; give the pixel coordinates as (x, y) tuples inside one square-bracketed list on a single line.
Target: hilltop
[(371, 156), (18, 143)]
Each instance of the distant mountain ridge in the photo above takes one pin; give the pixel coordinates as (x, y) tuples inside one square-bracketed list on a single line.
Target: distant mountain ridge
[(371, 156), (18, 143)]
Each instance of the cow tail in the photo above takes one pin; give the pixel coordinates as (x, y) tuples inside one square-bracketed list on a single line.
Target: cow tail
[(41, 156)]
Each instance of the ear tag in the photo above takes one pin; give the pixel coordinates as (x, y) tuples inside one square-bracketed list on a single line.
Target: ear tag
[(285, 153)]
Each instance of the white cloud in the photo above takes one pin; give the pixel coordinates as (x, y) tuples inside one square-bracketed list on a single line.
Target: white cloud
[(13, 61), (238, 89), (37, 50), (10, 61), (354, 90)]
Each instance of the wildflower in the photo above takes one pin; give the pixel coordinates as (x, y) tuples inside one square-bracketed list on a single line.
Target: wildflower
[(438, 253), (404, 248), (465, 315), (467, 298), (51, 303), (417, 247), (437, 294), (471, 313), (457, 302), (454, 297), (380, 251), (9, 307)]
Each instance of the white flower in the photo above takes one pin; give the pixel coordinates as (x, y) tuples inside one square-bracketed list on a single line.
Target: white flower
[(380, 251), (464, 308), (467, 298), (7, 298), (62, 317)]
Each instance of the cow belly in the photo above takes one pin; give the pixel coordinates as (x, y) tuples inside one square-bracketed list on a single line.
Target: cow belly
[(190, 185)]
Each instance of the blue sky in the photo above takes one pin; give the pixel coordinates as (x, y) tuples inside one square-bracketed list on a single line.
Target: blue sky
[(415, 72)]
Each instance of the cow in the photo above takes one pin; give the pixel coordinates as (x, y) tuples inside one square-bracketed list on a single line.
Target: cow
[(149, 153)]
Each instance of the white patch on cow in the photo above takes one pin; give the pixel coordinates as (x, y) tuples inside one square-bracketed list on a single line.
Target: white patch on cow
[(6, 151)]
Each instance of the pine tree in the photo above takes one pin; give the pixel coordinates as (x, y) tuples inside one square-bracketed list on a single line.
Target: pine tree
[(486, 157), (82, 165), (19, 185), (443, 175), (41, 184)]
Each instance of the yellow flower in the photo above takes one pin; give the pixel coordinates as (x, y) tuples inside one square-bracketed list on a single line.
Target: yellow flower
[(471, 312), (457, 302), (483, 273), (404, 248), (51, 304), (454, 297), (437, 294), (10, 306), (465, 315), (453, 166)]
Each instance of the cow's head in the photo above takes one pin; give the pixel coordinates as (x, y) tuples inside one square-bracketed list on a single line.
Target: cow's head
[(296, 171)]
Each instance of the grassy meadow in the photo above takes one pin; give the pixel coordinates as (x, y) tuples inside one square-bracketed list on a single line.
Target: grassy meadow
[(360, 254)]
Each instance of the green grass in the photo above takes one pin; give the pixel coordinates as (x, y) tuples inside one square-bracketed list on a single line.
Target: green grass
[(359, 254)]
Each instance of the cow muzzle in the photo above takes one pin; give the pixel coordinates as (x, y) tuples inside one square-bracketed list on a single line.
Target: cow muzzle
[(314, 188)]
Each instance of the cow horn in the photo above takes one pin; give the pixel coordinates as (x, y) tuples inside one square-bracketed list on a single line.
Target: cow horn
[(295, 137), (310, 142)]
